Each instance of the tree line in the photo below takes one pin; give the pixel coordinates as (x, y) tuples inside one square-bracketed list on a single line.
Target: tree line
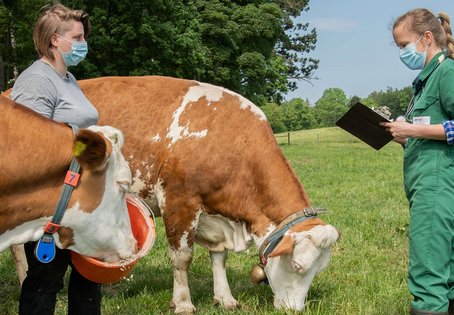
[(298, 114), (252, 47)]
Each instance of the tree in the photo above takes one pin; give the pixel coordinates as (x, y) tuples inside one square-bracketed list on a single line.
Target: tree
[(295, 41), (396, 100), (298, 115), (370, 102), (16, 43), (330, 107), (251, 47), (353, 100), (404, 96), (141, 38), (275, 117)]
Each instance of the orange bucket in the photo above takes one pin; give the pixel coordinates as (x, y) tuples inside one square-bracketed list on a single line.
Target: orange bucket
[(144, 231)]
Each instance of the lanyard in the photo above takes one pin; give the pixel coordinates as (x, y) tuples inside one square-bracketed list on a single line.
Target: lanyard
[(45, 248), (410, 106)]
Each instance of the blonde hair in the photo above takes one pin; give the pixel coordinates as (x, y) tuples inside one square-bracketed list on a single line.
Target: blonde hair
[(53, 19), (422, 20)]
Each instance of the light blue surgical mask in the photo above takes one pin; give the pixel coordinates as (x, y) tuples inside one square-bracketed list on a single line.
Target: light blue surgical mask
[(78, 52), (411, 57)]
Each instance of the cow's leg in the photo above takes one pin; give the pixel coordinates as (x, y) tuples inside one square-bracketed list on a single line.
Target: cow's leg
[(20, 261), (181, 299), (222, 294), (180, 230)]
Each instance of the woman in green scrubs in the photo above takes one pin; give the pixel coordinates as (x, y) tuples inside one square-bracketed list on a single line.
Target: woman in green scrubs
[(427, 134)]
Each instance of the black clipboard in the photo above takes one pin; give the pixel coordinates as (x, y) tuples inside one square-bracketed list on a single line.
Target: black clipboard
[(364, 123)]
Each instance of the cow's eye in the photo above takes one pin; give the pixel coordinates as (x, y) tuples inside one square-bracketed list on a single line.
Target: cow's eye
[(124, 185), (297, 267)]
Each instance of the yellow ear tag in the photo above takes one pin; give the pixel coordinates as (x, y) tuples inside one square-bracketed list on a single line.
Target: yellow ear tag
[(79, 148)]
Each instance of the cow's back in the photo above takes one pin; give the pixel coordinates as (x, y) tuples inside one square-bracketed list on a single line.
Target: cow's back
[(212, 147)]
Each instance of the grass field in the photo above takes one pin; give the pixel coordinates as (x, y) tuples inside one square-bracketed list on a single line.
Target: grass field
[(361, 187)]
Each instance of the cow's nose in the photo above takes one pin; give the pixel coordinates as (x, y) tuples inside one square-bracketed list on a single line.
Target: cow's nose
[(112, 258)]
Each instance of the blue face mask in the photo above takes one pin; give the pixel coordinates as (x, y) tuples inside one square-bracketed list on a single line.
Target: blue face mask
[(78, 52), (412, 58)]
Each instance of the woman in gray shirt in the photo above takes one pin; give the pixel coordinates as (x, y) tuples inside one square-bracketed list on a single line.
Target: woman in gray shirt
[(49, 89)]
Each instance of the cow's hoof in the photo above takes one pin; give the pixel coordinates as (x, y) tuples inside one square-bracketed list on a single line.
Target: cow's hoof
[(186, 309), (172, 306), (228, 304)]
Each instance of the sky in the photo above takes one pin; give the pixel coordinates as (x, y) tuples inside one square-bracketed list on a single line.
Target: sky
[(355, 47)]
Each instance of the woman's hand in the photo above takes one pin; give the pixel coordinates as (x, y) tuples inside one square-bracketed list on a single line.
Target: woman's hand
[(400, 130)]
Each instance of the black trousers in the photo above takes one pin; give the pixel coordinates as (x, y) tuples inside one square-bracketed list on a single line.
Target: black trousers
[(44, 281)]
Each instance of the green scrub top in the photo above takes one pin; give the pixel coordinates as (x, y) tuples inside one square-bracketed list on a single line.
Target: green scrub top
[(434, 99)]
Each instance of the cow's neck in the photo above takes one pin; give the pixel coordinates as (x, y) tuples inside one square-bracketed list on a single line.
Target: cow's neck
[(265, 199), (35, 155), (282, 196)]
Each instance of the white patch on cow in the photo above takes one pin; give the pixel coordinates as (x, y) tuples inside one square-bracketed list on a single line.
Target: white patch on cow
[(160, 195), (247, 104), (212, 94), (156, 138), (176, 131), (184, 238), (218, 233), (28, 231), (137, 183)]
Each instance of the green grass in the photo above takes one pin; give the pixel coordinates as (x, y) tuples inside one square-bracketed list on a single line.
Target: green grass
[(362, 189)]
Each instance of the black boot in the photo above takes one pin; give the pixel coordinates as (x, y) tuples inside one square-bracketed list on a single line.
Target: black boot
[(451, 308)]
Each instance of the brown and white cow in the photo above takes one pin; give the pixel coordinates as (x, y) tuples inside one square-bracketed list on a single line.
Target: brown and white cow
[(207, 159), (35, 155)]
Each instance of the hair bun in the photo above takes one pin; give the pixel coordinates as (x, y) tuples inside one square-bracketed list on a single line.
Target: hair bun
[(443, 17)]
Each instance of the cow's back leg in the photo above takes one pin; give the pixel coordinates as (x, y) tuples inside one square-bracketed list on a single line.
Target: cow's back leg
[(222, 293), (20, 261)]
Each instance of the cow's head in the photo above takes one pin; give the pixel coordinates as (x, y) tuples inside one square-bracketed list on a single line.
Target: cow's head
[(295, 261), (97, 223)]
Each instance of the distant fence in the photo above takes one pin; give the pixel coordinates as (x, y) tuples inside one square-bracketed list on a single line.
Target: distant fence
[(284, 136), (315, 136)]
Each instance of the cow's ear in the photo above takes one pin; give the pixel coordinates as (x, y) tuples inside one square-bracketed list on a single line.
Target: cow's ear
[(90, 149), (113, 134), (285, 247), (324, 236)]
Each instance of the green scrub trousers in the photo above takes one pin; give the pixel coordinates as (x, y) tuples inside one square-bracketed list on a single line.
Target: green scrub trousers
[(429, 185)]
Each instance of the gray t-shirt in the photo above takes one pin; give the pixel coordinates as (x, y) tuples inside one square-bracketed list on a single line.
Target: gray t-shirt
[(42, 89)]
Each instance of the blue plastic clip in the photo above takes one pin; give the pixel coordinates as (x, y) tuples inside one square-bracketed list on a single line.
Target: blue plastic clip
[(45, 249)]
